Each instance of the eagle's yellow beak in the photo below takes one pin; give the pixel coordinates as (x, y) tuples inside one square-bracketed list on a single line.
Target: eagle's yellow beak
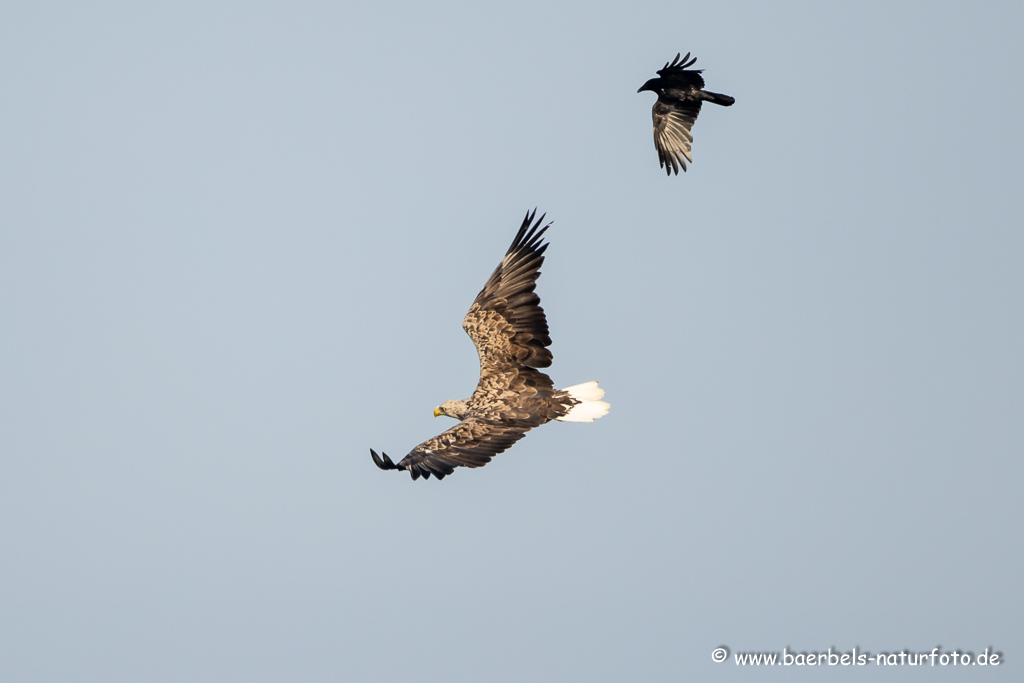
[(438, 412)]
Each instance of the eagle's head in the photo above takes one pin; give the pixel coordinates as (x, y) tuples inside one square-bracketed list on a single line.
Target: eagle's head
[(456, 409)]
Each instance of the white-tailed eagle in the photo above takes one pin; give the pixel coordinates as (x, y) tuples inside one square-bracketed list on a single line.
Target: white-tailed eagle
[(680, 95), (510, 331)]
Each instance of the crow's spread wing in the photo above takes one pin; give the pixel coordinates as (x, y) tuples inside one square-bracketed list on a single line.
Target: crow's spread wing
[(672, 136)]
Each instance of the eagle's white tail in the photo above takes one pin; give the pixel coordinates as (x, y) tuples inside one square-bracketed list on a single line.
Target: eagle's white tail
[(590, 406)]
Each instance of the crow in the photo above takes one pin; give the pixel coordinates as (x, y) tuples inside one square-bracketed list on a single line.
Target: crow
[(679, 98)]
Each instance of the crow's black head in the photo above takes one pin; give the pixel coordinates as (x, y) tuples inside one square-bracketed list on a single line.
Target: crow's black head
[(653, 84)]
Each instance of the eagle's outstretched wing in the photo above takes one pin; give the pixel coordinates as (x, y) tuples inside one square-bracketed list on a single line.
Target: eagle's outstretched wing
[(510, 332), (506, 322), (471, 443)]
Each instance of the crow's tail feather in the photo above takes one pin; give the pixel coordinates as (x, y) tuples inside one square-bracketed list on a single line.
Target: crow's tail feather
[(717, 98)]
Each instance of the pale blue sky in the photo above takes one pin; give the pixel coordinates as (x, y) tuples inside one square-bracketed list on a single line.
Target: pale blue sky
[(237, 244)]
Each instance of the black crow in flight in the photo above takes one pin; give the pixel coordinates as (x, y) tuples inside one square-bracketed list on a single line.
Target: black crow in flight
[(679, 98)]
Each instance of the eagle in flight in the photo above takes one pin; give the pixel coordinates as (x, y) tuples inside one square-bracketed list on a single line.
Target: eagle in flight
[(680, 95), (510, 331)]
